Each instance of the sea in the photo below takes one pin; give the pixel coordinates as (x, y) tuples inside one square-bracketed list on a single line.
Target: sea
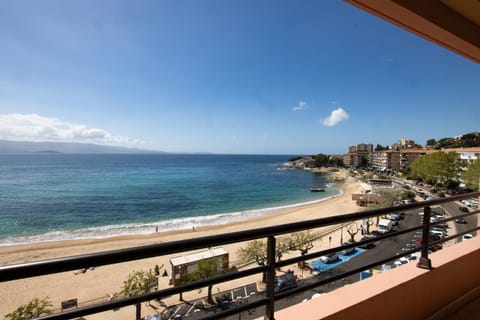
[(51, 197)]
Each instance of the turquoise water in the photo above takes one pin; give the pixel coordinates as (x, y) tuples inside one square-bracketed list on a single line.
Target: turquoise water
[(63, 196)]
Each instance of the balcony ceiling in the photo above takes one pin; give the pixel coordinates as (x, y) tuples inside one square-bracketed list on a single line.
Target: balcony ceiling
[(453, 24)]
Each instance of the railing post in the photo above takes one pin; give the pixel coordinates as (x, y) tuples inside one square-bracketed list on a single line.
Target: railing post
[(270, 292), (138, 311), (424, 261)]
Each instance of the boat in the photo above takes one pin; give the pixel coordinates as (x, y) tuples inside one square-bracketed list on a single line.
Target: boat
[(317, 189)]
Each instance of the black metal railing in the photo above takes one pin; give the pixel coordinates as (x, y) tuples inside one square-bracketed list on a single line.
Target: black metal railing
[(33, 269)]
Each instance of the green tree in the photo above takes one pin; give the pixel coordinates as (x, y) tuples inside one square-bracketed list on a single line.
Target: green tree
[(407, 195), (255, 250), (379, 147), (335, 161), (438, 168), (205, 269), (471, 176), (431, 142), (139, 282), (320, 160), (33, 309)]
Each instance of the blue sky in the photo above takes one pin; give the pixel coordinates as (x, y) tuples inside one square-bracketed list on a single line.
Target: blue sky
[(263, 77)]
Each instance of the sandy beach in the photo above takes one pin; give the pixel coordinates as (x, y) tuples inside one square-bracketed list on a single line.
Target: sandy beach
[(101, 282)]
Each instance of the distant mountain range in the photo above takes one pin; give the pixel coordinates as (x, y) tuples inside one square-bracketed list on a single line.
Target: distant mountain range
[(7, 146)]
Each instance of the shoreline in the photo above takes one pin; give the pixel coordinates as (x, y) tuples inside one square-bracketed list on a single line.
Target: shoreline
[(265, 216), (146, 229), (107, 279), (122, 241)]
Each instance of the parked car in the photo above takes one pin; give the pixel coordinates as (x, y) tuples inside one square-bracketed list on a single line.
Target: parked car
[(441, 195), (285, 281), (329, 258), (436, 233), (463, 209), (394, 222), (461, 221), (467, 236), (367, 245), (396, 216), (348, 251)]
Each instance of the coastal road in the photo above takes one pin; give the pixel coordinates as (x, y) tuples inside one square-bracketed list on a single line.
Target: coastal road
[(453, 209), (196, 310), (385, 248)]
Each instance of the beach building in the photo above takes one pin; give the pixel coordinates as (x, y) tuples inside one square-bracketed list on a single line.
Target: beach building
[(184, 265)]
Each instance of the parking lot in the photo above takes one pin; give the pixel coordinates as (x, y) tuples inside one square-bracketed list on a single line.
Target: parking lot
[(225, 300)]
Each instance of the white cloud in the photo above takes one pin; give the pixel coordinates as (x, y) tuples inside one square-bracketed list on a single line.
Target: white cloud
[(33, 127), (302, 105), (336, 116)]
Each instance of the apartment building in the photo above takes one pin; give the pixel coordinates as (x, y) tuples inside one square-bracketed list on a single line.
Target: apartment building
[(468, 154), (408, 156), (386, 160), (403, 144), (358, 155)]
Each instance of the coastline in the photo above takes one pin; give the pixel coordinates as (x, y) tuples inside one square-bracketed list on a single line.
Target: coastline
[(86, 286), (54, 247), (167, 226)]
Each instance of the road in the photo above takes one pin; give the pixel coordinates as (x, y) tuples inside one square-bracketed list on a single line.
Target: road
[(196, 310), (393, 246)]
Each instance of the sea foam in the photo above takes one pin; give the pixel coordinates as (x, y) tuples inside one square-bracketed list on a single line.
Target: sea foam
[(178, 224)]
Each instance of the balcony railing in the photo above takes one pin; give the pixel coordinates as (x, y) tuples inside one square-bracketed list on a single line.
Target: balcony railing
[(33, 269)]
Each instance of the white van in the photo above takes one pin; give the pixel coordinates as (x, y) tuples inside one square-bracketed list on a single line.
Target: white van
[(385, 226)]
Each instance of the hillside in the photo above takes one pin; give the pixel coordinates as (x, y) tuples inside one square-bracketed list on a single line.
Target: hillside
[(467, 140), (7, 146)]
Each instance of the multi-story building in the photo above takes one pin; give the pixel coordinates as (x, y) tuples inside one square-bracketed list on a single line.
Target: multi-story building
[(467, 154), (386, 160), (355, 159), (358, 155), (391, 160), (403, 144), (408, 156), (361, 147)]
